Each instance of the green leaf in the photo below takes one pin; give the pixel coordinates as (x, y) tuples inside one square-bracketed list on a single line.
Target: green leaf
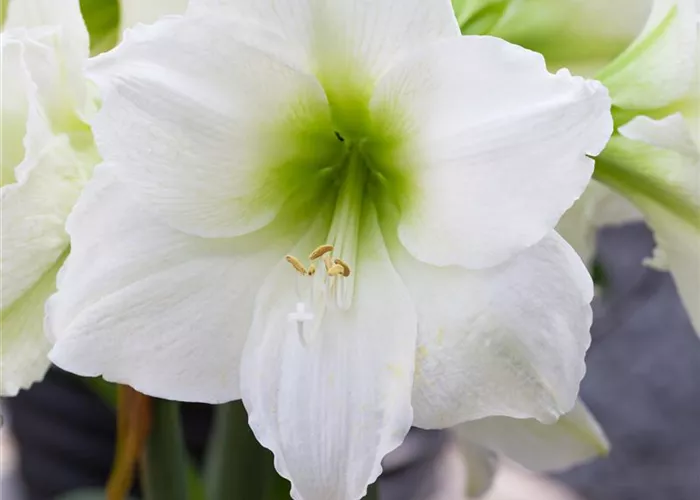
[(237, 466), (102, 21), (373, 491), (164, 467), (106, 391)]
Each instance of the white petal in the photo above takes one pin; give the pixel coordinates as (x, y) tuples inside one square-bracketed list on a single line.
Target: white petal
[(140, 11), (364, 37), (575, 438), (34, 212), (671, 132), (331, 409), (664, 183), (23, 345), (56, 45), (495, 147), (598, 207), (213, 124), (504, 341), (659, 67), (36, 13), (148, 306)]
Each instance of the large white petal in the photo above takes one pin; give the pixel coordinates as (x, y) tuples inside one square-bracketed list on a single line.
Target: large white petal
[(504, 341), (575, 438), (132, 12), (494, 147), (660, 66), (212, 123), (342, 38), (148, 306), (331, 409)]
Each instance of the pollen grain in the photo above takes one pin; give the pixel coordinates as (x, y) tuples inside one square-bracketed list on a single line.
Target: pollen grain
[(296, 264)]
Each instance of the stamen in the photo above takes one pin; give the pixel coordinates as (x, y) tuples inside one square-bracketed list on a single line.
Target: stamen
[(296, 264), (312, 270), (327, 262), (336, 270), (346, 267), (320, 251)]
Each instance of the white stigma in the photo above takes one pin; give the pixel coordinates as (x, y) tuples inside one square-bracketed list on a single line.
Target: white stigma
[(301, 316)]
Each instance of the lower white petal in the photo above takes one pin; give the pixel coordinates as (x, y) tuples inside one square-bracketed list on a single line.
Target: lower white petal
[(332, 407), (575, 438), (503, 341), (148, 306)]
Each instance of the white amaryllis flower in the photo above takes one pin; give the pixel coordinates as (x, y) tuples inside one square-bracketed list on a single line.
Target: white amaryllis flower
[(245, 136), (47, 156)]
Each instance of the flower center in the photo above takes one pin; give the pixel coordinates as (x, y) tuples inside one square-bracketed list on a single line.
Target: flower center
[(329, 280)]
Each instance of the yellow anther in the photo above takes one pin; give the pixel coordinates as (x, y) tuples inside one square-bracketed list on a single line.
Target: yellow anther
[(312, 270), (296, 264), (320, 251), (336, 270), (346, 268)]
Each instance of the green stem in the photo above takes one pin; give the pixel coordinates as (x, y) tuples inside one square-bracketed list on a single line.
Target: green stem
[(237, 466), (164, 464), (373, 491)]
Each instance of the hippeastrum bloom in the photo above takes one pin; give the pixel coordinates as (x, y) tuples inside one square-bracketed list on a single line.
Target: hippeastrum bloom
[(47, 156), (340, 212), (575, 438)]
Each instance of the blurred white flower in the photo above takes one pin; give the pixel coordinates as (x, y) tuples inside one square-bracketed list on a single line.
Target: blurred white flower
[(575, 438), (655, 160), (47, 156), (244, 132)]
